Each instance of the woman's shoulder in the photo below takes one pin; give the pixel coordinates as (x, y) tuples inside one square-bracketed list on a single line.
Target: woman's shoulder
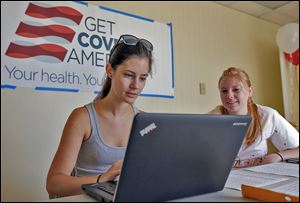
[(80, 110), (268, 114), (78, 123), (266, 110), (79, 113)]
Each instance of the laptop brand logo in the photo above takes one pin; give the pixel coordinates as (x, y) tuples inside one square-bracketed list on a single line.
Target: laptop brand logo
[(239, 124), (148, 129)]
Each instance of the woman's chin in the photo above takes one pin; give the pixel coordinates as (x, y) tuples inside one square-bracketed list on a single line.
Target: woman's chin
[(130, 100)]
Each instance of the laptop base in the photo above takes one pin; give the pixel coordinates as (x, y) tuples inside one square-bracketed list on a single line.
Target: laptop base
[(103, 192)]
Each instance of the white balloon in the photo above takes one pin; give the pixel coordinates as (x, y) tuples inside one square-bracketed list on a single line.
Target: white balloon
[(287, 37)]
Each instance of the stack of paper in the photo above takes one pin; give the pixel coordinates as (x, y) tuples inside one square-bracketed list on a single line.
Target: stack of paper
[(270, 182)]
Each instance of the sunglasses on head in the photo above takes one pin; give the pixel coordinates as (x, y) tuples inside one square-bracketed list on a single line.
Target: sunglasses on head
[(132, 41)]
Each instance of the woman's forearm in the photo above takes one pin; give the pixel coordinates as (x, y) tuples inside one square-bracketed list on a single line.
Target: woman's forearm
[(68, 185), (290, 153)]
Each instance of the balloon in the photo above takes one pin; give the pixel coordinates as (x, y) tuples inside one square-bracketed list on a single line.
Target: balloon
[(287, 56), (294, 57), (287, 37)]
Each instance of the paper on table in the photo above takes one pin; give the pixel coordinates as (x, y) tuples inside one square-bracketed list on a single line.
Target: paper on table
[(280, 168), (291, 188), (238, 177)]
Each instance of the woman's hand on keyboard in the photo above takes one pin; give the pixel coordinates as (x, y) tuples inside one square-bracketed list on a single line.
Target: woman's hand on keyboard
[(112, 172)]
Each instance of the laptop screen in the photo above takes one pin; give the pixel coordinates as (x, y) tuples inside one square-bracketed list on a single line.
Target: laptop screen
[(172, 156)]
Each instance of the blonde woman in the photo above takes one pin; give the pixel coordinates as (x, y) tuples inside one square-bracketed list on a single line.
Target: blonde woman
[(267, 124)]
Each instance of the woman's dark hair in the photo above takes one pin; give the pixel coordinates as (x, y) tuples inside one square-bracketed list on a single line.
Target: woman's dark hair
[(120, 53)]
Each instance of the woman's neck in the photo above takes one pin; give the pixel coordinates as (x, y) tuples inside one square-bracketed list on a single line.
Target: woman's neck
[(114, 108), (240, 112)]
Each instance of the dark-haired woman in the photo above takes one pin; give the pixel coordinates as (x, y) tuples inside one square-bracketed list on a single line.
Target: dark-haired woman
[(95, 136)]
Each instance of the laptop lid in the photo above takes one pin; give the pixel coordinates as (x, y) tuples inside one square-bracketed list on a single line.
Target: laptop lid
[(172, 156)]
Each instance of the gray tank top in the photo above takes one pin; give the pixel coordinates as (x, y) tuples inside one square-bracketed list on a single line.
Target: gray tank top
[(95, 157)]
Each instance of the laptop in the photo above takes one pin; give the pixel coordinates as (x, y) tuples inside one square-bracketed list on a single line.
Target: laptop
[(171, 156)]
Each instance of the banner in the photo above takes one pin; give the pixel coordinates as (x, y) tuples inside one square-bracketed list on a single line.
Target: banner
[(64, 46)]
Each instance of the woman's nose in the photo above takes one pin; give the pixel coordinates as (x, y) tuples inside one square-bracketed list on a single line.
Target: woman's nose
[(134, 83), (230, 94)]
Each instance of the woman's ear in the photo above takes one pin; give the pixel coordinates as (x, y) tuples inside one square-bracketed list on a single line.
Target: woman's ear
[(109, 70)]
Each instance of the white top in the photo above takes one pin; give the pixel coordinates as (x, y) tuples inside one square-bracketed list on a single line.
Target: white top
[(281, 133)]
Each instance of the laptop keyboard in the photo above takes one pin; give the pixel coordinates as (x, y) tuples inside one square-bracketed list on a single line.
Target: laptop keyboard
[(109, 187)]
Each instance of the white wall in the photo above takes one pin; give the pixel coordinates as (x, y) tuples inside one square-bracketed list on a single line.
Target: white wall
[(31, 126), (207, 39)]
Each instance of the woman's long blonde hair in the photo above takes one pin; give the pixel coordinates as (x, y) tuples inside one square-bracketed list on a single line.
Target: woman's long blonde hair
[(255, 128)]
